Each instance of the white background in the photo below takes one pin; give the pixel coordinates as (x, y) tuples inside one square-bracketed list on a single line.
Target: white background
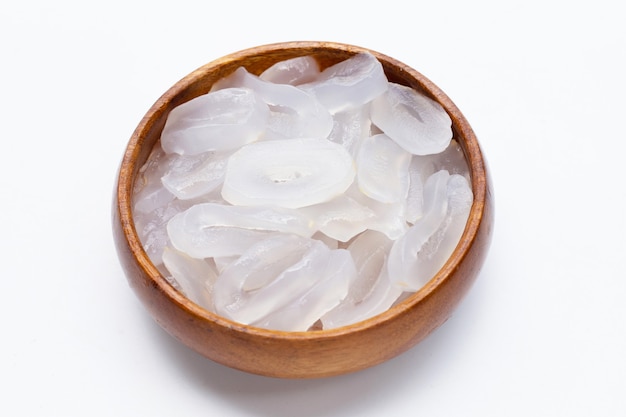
[(541, 333)]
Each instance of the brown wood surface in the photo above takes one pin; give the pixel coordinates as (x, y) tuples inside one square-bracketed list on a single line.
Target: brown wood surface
[(314, 353)]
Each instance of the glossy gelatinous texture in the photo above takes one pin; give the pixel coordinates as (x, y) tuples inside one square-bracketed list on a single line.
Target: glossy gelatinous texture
[(383, 169), (202, 231), (292, 112), (292, 71), (417, 123), (312, 353), (294, 173), (349, 84), (415, 257), (222, 121)]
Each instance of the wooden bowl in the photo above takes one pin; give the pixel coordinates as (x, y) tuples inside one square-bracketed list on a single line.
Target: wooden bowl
[(313, 353)]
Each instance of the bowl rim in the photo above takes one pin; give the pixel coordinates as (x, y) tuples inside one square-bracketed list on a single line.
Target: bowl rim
[(125, 183)]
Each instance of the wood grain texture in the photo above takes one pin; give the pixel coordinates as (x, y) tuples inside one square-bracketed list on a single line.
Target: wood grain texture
[(300, 354)]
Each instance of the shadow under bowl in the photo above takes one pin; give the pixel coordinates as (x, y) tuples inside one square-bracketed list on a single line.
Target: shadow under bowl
[(308, 354)]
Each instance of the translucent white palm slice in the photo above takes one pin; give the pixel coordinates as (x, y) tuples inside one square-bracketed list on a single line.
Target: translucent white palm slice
[(417, 123), (259, 265), (151, 227), (149, 194), (278, 284), (213, 230), (294, 113), (451, 159), (196, 277), (415, 194), (219, 121), (328, 291), (154, 205), (293, 173), (350, 83), (341, 218), (383, 169), (388, 217), (371, 292), (292, 71), (350, 127), (192, 176), (422, 251), (382, 296)]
